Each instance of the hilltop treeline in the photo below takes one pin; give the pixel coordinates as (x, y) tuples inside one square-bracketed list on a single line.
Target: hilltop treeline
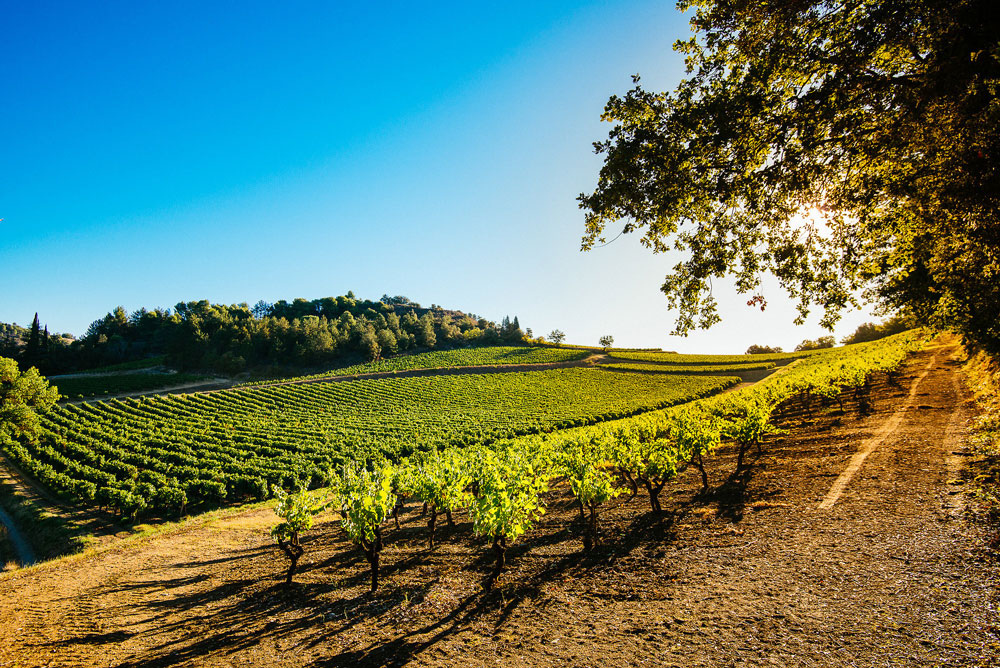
[(230, 338)]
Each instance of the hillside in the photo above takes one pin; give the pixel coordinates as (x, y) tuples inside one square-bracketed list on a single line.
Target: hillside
[(760, 572), (265, 338)]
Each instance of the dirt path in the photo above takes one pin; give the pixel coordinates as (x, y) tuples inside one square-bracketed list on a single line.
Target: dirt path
[(755, 575), (202, 385)]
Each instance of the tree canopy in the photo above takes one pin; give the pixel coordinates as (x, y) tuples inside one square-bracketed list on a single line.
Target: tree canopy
[(22, 395), (848, 148)]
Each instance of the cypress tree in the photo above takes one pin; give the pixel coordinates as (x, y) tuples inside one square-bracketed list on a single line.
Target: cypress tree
[(34, 338)]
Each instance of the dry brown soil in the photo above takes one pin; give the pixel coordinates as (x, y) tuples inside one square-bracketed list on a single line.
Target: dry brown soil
[(755, 574)]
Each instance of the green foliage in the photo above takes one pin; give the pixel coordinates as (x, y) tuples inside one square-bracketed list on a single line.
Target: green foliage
[(557, 336), (705, 360), (748, 422), (510, 483), (508, 501), (199, 335), (22, 396), (95, 386), (486, 356), (235, 444), (606, 342), (584, 463), (877, 119), (720, 369), (821, 342), (696, 435), (643, 456), (756, 349), (170, 499), (298, 511), (870, 331), (439, 479), (365, 498)]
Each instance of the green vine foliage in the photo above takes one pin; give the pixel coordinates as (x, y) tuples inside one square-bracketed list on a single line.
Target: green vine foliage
[(440, 480), (366, 498), (696, 435), (584, 463), (509, 484), (298, 510), (749, 423)]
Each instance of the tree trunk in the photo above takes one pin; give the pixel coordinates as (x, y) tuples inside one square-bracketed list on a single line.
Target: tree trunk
[(590, 536), (740, 455), (372, 552), (451, 522), (500, 549), (699, 462), (654, 495), (583, 516), (294, 551)]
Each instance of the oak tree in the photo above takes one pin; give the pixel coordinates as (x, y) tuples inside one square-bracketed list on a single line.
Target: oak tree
[(848, 148)]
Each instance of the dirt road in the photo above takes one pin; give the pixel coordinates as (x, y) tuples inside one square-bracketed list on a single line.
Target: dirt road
[(888, 574)]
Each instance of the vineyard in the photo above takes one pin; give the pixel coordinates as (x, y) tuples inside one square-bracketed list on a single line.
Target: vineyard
[(504, 487), (161, 454), (708, 360), (110, 383), (438, 359), (718, 369)]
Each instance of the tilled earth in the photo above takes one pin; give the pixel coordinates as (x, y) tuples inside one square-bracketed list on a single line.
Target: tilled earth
[(754, 574)]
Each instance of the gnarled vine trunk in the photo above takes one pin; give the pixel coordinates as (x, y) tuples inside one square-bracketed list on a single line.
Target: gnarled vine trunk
[(294, 550), (372, 550), (500, 550)]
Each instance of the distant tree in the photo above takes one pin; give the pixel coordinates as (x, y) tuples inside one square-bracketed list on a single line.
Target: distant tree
[(821, 342), (606, 342), (557, 336), (387, 342), (425, 331), (763, 350), (261, 309), (369, 343), (32, 350), (870, 331)]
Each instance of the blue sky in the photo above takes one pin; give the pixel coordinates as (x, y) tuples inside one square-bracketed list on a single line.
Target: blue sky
[(156, 153)]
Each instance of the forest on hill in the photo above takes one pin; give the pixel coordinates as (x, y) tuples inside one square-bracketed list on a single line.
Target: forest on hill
[(199, 335)]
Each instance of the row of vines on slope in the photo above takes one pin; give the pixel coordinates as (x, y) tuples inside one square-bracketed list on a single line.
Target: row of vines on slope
[(503, 486), (160, 454), (442, 359)]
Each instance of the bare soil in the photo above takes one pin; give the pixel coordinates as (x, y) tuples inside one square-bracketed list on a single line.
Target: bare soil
[(753, 574)]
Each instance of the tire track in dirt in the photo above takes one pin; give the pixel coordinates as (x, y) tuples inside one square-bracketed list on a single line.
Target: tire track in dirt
[(881, 436)]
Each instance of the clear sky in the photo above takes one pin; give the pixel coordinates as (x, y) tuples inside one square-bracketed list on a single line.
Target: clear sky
[(152, 153)]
